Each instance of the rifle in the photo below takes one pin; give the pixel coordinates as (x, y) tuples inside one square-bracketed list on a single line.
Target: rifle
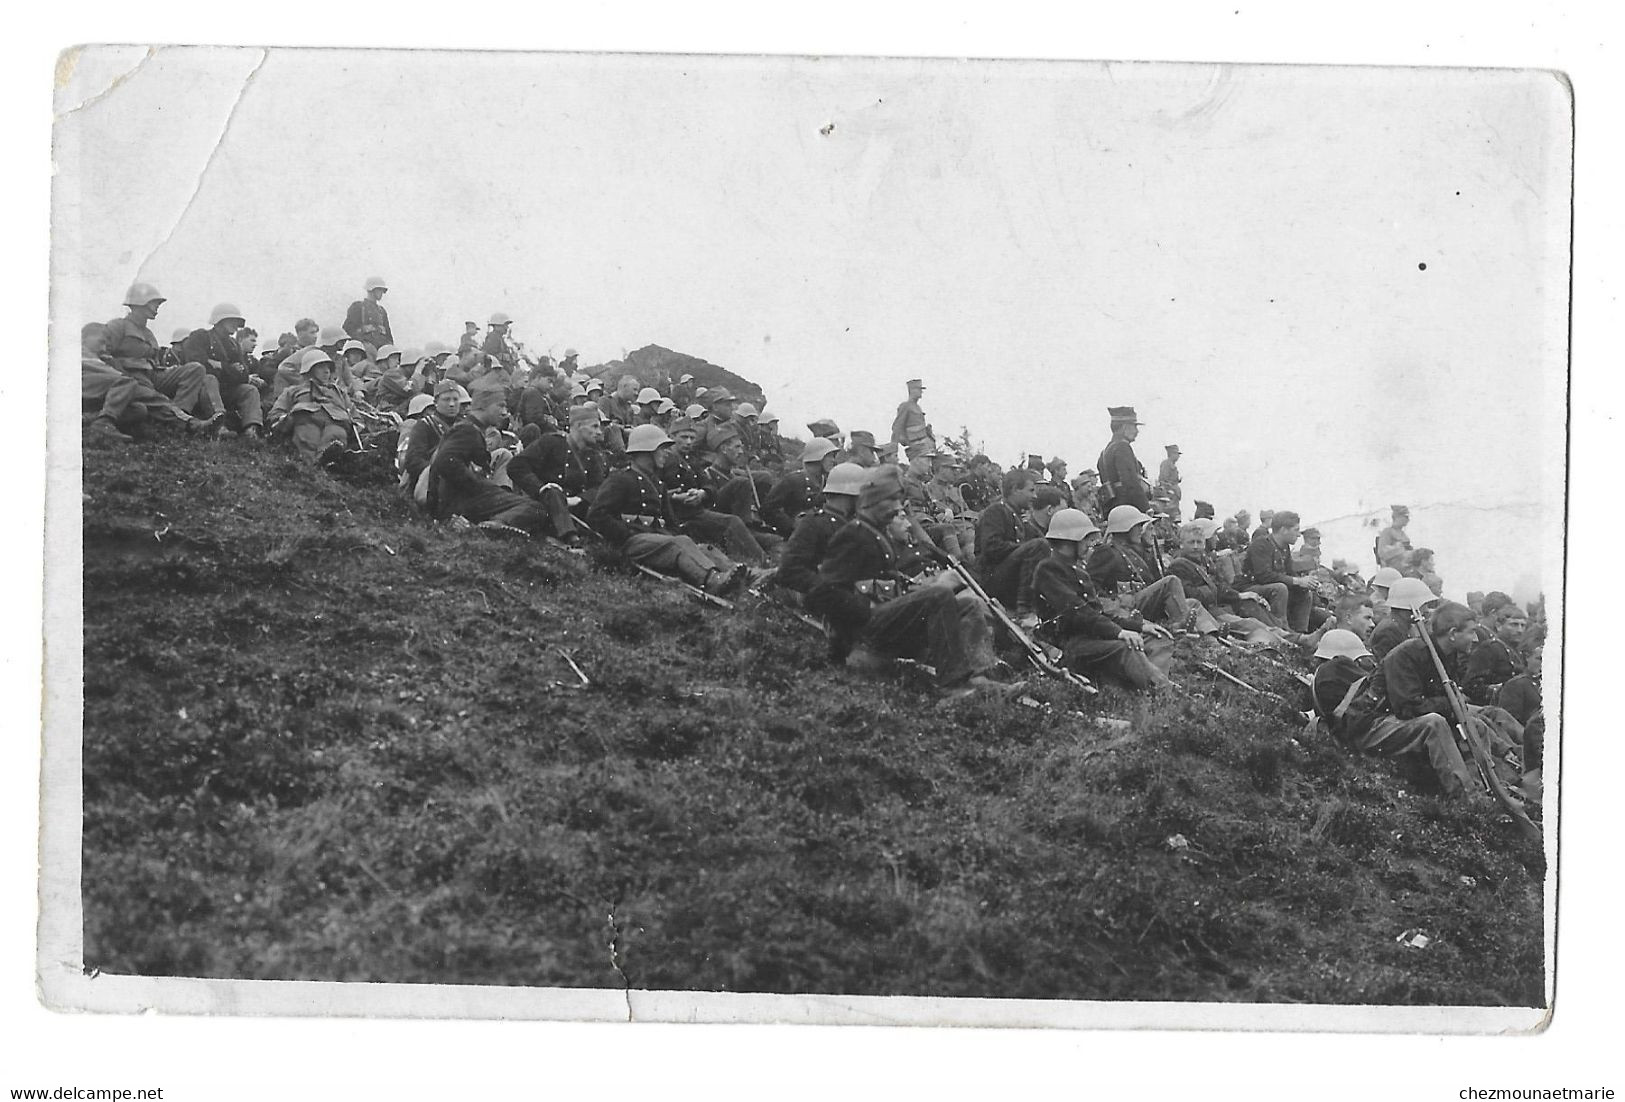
[(1466, 727), (1035, 653), (693, 590)]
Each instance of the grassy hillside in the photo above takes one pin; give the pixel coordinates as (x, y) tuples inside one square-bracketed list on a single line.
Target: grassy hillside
[(326, 741)]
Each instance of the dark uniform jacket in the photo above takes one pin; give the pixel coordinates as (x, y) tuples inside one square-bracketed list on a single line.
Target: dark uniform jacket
[(456, 482), (1387, 635), (806, 548), (790, 496), (1407, 684), (210, 347), (619, 409), (731, 491), (628, 503), (1011, 582), (1113, 566), (858, 553), (1065, 595), (423, 436), (1200, 583), (1520, 696), (535, 406), (679, 474), (368, 321), (1122, 478), (496, 344), (553, 459), (1332, 683), (998, 532), (1489, 666), (1267, 561)]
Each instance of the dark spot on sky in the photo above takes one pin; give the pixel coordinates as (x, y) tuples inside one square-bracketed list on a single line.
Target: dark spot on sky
[(1421, 267), (827, 130)]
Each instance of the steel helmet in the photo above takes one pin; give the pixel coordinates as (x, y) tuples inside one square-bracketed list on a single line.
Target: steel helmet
[(312, 358), (499, 318), (179, 335), (386, 352), (1411, 593), (226, 310), (1341, 643), (463, 397), (1386, 577), (568, 352), (375, 283), (418, 404), (816, 449), (694, 412), (142, 294), (577, 391), (353, 346), (1071, 524), (666, 406), (646, 395), (595, 384), (845, 478), (745, 409), (1123, 519), (331, 334), (646, 438), (411, 357), (767, 418)]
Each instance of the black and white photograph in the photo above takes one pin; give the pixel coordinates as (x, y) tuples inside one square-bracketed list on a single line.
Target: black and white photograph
[(798, 538)]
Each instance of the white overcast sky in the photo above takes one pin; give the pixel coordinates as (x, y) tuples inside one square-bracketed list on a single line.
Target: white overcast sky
[(1237, 251)]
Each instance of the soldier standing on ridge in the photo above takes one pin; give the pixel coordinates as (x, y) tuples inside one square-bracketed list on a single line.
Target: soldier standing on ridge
[(909, 430), (1122, 478), (1393, 546), (367, 321), (1168, 478)]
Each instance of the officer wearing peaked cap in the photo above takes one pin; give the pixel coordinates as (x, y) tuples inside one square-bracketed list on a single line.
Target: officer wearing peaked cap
[(1122, 477), (909, 430)]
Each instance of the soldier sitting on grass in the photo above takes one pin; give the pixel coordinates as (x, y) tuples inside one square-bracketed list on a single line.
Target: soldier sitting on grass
[(315, 412), (1093, 641), (1240, 613), (1000, 528), (869, 604), (809, 543), (1121, 566), (691, 498), (421, 436), (1499, 660), (1407, 711), (461, 475), (631, 514), (1407, 597)]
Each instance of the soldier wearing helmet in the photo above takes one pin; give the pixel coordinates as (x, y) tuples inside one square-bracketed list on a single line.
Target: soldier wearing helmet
[(133, 350), (1407, 598), (499, 341), (870, 604), (367, 321), (316, 412), (1095, 639), (693, 493), (229, 386), (1407, 712), (800, 491), (420, 438), (805, 550), (632, 514), (736, 489), (1123, 566)]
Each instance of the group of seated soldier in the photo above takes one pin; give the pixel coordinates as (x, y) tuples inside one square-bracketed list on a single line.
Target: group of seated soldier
[(917, 559)]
